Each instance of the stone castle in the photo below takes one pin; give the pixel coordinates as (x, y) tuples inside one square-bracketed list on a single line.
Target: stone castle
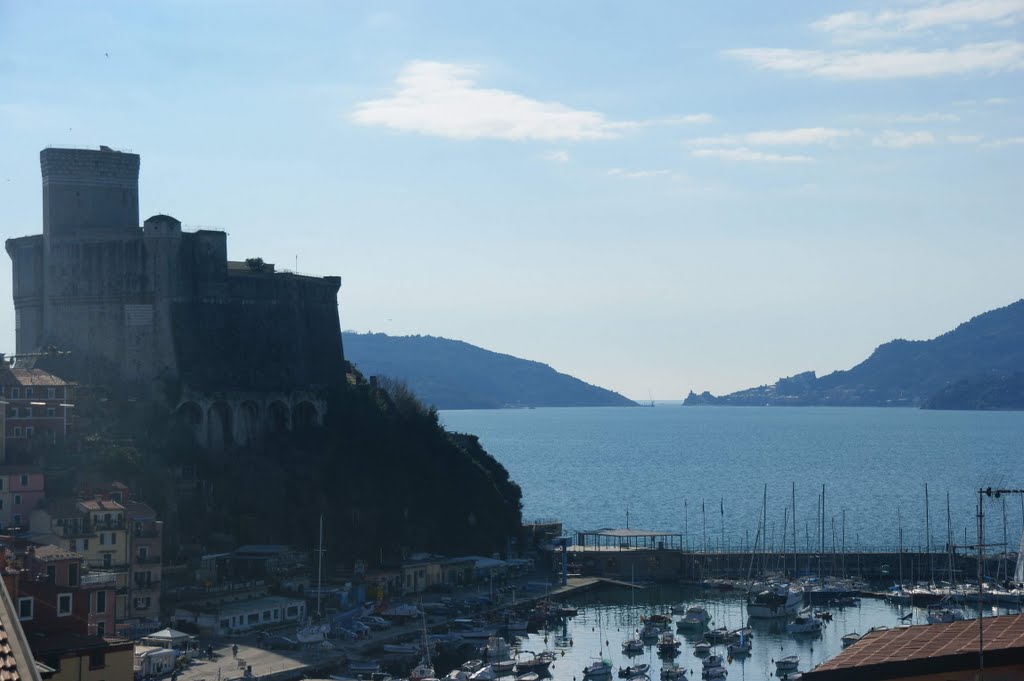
[(157, 312)]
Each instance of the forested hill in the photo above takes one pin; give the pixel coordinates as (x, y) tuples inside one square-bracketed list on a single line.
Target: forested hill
[(451, 374), (985, 351)]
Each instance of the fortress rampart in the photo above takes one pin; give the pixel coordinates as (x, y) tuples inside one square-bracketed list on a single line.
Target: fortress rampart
[(162, 313)]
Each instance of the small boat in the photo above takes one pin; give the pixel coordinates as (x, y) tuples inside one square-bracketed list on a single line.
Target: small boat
[(712, 662), (528, 676), (787, 664), (634, 670), (702, 648), (667, 644), (742, 632), (598, 669), (678, 609), (313, 633), (849, 639), (457, 675), (650, 631), (634, 645), (718, 635), (802, 624), (658, 618), (942, 614), (496, 649), (536, 664), (503, 667), (424, 670), (472, 666), (673, 672), (696, 617), (775, 600), (565, 611), (823, 615), (741, 647), (485, 673)]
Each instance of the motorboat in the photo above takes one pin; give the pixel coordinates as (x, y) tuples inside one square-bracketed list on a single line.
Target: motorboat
[(942, 614), (678, 609), (696, 617), (667, 644), (673, 672), (742, 632), (650, 631), (536, 664), (718, 635), (485, 673), (740, 647), (712, 661), (472, 666), (633, 670), (849, 639), (787, 664), (775, 600), (702, 648), (496, 649), (503, 667), (804, 624), (528, 676), (457, 675)]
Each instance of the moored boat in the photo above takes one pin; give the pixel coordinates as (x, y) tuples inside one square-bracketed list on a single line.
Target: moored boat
[(775, 600), (696, 617), (849, 639), (702, 648), (787, 664), (804, 624), (667, 644)]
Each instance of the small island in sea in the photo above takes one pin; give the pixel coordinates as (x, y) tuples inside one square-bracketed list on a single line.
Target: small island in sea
[(452, 374), (978, 365)]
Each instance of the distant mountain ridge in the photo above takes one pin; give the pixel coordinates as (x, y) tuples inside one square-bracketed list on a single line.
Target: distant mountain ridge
[(452, 374), (980, 357)]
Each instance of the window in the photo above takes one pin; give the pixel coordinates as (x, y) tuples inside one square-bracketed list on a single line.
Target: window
[(14, 412), (51, 412), (17, 431), (17, 497), (97, 658), (63, 605), (103, 538), (101, 602), (51, 393), (254, 618), (108, 560), (26, 608), (292, 611), (101, 628), (266, 615), (72, 574), (24, 479), (14, 393), (51, 574), (113, 537), (29, 431), (1, 504), (28, 393)]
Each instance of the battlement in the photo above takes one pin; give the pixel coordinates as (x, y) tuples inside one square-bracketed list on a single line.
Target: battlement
[(89, 190)]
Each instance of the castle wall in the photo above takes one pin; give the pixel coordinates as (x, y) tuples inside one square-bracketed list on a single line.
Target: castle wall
[(27, 272), (89, 190)]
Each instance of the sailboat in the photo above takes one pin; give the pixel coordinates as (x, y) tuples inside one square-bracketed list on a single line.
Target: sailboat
[(316, 631), (424, 670), (600, 668), (634, 645)]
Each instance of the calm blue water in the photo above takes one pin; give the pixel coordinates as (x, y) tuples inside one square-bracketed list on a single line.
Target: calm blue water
[(588, 467)]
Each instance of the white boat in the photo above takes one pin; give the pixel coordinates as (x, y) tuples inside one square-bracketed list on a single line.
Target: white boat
[(678, 609), (537, 664), (667, 643), (650, 631), (787, 664), (940, 614), (712, 661), (472, 666), (457, 675), (696, 617), (740, 647), (528, 676), (502, 667), (804, 624), (775, 600), (717, 635), (598, 669), (634, 645), (485, 673), (702, 647), (313, 633), (402, 648), (673, 672), (497, 649), (849, 639), (634, 670), (424, 670)]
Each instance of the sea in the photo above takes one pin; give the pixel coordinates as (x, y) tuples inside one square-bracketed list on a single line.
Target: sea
[(708, 473), (705, 472)]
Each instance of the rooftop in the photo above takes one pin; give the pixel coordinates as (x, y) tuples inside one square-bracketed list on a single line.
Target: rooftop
[(29, 377), (100, 505), (926, 649), (626, 533), (49, 552)]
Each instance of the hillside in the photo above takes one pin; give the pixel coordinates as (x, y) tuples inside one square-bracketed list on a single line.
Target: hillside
[(451, 374), (984, 351)]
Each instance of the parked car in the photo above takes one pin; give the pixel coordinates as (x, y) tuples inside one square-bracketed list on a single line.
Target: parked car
[(279, 643)]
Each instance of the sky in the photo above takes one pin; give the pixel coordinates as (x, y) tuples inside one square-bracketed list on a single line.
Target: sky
[(654, 197)]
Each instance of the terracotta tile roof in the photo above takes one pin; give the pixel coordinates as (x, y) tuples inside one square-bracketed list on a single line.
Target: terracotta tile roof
[(139, 510), (101, 505), (926, 648), (30, 377)]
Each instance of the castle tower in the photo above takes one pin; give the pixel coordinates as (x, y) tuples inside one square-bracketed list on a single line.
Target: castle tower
[(89, 190)]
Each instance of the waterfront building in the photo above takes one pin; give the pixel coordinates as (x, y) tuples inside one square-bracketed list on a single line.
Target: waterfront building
[(37, 410), (932, 651), (21, 490), (224, 618)]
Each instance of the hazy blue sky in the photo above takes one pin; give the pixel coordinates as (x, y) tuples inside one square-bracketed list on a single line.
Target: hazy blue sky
[(656, 196)]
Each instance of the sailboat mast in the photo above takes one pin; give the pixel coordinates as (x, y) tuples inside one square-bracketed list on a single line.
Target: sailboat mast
[(320, 566), (899, 524), (928, 535), (795, 568), (949, 539)]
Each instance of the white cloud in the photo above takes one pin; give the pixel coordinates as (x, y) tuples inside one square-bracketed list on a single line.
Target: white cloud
[(963, 139), (641, 174), (991, 101), (796, 136), (1005, 142), (926, 118), (887, 23), (744, 154), (1006, 55), (692, 119), (897, 139), (559, 156), (444, 100)]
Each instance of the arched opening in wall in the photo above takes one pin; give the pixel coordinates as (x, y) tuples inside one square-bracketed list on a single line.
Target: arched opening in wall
[(192, 415), (305, 415), (277, 417), (219, 434), (247, 419)]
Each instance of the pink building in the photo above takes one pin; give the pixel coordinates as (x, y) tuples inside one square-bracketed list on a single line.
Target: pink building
[(21, 490)]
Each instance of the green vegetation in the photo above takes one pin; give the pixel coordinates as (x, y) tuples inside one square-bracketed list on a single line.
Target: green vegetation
[(451, 374), (983, 352), (981, 392), (386, 476)]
